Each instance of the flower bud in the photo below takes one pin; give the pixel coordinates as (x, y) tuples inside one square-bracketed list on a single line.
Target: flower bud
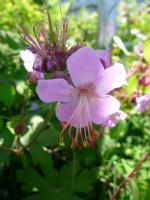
[(144, 80), (134, 97), (51, 63), (61, 59), (34, 107), (19, 129)]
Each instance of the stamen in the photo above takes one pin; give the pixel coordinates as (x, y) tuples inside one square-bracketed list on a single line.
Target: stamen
[(80, 129), (89, 133), (92, 135), (85, 144), (74, 116), (82, 110), (86, 139)]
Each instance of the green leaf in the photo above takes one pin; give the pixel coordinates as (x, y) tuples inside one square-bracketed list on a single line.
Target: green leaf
[(35, 123), (1, 123), (7, 92), (84, 181), (6, 140), (119, 130), (132, 84), (147, 50), (147, 195), (32, 180), (144, 189), (135, 189), (107, 144), (53, 195)]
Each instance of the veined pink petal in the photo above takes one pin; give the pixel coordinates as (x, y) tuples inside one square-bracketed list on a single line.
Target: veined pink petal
[(28, 58), (113, 77), (74, 113), (101, 108), (54, 90), (84, 66)]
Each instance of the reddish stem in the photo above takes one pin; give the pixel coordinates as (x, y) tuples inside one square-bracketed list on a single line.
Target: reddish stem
[(129, 176)]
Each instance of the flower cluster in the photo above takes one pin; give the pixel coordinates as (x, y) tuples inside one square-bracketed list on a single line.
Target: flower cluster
[(141, 70), (79, 78)]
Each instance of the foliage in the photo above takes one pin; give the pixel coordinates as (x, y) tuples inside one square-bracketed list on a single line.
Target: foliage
[(46, 170)]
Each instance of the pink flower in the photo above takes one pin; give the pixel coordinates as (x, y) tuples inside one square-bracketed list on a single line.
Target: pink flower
[(114, 118), (138, 49), (144, 80), (143, 102), (34, 107), (29, 58), (84, 101), (105, 57)]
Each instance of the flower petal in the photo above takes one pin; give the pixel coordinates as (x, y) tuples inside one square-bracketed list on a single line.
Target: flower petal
[(35, 76), (28, 58), (142, 103), (84, 66), (113, 77), (54, 90), (72, 114), (102, 108), (114, 118), (105, 57)]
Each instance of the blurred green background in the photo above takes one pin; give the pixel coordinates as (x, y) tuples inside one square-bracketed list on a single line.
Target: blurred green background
[(46, 170)]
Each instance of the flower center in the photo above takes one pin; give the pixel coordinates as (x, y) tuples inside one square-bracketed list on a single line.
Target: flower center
[(86, 89), (80, 118)]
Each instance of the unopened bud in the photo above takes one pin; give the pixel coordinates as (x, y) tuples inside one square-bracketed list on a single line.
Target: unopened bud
[(61, 59), (19, 129), (144, 80), (51, 63)]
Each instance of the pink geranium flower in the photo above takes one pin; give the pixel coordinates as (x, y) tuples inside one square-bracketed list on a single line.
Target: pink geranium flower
[(114, 118), (29, 58), (84, 101), (143, 102)]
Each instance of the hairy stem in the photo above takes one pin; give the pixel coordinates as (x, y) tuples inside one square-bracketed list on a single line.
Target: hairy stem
[(129, 176)]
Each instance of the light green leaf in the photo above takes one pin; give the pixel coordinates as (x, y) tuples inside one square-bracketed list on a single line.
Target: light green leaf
[(147, 50)]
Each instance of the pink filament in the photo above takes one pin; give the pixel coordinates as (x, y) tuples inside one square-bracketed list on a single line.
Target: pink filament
[(81, 110)]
